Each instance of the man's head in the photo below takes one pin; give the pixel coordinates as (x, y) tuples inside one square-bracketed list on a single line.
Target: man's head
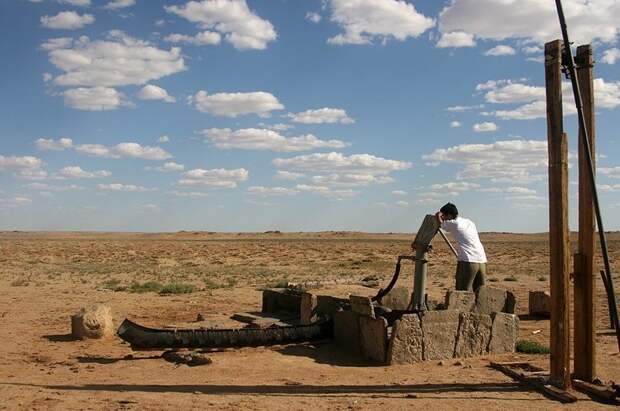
[(449, 211)]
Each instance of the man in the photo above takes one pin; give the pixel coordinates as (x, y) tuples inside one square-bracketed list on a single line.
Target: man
[(471, 267)]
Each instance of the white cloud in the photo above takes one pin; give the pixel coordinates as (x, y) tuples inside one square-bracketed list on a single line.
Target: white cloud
[(501, 50), (204, 38), (402, 203), (339, 163), (231, 18), (119, 4), (215, 177), (124, 187), (399, 193), (608, 188), (326, 191), (168, 167), (501, 161), (189, 194), (456, 39), (485, 127), (454, 187), (610, 56), (350, 179), (117, 61), (151, 92), (532, 20), (277, 127), (93, 98), (77, 172), (322, 115), (263, 139), (288, 175), (455, 124), (460, 109), (313, 17), (48, 144), (51, 188), (532, 49), (14, 202), (47, 77), (612, 172), (366, 20), (508, 190), (163, 139), (79, 3), (272, 191), (129, 150), (67, 20), (20, 163), (236, 104)]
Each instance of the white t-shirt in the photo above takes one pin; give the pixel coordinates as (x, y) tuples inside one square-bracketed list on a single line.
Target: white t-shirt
[(469, 247)]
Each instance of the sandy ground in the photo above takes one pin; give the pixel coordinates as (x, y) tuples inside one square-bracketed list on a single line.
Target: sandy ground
[(46, 277)]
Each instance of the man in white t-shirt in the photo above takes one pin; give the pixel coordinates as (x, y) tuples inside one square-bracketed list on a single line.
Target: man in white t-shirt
[(471, 267)]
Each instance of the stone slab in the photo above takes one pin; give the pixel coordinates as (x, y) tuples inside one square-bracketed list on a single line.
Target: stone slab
[(373, 338), (326, 305), (491, 300), (504, 333), (347, 332), (397, 299), (308, 305), (474, 335), (439, 330), (406, 342), (362, 306), (460, 300), (539, 303), (275, 300)]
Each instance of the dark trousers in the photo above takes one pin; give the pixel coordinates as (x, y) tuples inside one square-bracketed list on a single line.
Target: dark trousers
[(470, 276)]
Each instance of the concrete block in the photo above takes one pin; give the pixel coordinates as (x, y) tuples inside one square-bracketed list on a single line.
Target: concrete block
[(439, 330), (275, 300), (93, 322), (490, 300), (347, 332), (362, 306), (540, 303), (327, 305), (373, 338), (406, 345), (397, 299), (308, 305), (460, 300), (474, 335), (504, 333)]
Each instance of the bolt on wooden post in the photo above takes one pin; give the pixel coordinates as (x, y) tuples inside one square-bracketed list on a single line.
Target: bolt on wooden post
[(559, 245)]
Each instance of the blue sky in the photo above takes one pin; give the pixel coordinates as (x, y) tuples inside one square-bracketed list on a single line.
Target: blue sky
[(234, 115)]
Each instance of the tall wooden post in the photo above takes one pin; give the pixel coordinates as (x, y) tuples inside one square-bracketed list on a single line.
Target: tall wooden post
[(584, 315), (559, 246)]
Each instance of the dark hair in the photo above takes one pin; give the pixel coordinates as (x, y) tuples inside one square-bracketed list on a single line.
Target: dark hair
[(449, 209)]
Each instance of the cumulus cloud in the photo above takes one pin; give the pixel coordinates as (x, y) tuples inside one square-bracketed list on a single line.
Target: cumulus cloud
[(456, 39), (188, 194), (168, 167), (399, 193), (77, 172), (20, 163), (485, 127), (53, 188), (532, 20), (163, 139), (510, 160), (289, 175), (12, 202), (48, 144), (119, 4), (339, 163), (460, 109), (455, 124), (67, 20), (204, 38), (124, 150), (272, 191), (263, 139), (79, 3), (236, 104), (612, 172), (218, 177), (94, 98), (610, 56), (151, 92), (123, 187), (313, 17), (363, 21), (522, 191), (233, 19), (89, 63), (325, 191), (322, 115), (501, 50), (350, 179)]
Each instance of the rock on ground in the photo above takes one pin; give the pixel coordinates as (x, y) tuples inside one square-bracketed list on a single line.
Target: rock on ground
[(93, 322), (405, 346)]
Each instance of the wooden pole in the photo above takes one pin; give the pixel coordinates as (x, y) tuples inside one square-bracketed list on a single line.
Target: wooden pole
[(584, 314), (558, 219)]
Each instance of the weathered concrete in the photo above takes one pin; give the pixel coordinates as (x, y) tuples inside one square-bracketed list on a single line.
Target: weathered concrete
[(539, 303), (504, 333), (406, 345), (308, 309), (474, 335), (373, 336), (276, 300), (347, 331), (93, 322), (397, 299), (439, 330), (327, 305), (362, 306), (460, 300), (490, 300)]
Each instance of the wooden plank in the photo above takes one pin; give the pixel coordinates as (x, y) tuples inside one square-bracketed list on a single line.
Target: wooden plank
[(426, 232), (584, 285), (558, 219), (602, 392)]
